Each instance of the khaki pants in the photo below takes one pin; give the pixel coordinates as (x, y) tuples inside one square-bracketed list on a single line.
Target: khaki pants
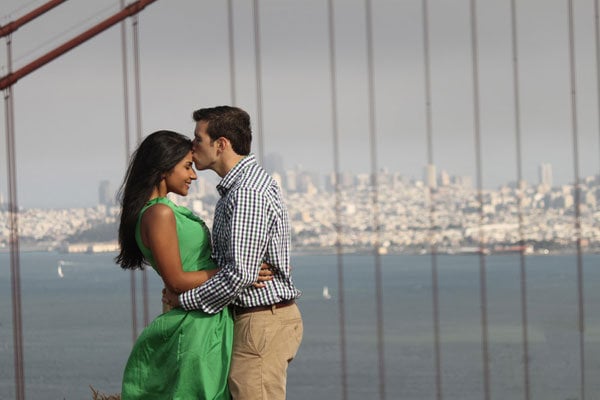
[(264, 343)]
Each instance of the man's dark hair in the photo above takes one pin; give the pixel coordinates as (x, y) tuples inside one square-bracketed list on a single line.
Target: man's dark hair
[(229, 122)]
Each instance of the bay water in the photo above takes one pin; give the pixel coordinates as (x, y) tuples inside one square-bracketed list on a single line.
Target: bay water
[(78, 327)]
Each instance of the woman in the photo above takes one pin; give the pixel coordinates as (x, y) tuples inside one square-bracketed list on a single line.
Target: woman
[(181, 354)]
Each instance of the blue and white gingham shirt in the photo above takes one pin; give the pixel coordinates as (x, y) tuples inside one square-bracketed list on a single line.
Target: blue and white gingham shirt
[(251, 225)]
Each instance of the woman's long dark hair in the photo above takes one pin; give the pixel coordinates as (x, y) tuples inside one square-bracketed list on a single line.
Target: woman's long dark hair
[(156, 156)]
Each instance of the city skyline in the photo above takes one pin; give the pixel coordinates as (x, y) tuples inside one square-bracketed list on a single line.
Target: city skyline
[(322, 182), (537, 219), (69, 119)]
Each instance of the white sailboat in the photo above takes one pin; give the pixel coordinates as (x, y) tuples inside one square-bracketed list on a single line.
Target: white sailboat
[(326, 294), (60, 271)]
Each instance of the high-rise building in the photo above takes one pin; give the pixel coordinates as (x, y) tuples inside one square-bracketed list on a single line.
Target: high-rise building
[(444, 178), (347, 180), (201, 187), (344, 180), (277, 178), (291, 180), (306, 183), (545, 175), (330, 182), (466, 182), (197, 207), (430, 177), (274, 163), (590, 199), (106, 194)]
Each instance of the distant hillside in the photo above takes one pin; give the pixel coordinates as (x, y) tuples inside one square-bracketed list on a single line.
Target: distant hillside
[(99, 233)]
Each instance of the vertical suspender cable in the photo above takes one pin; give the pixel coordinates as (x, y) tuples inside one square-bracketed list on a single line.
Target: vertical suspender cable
[(482, 268), (375, 200), (132, 9), (138, 119), (13, 208), (433, 235), (13, 219), (338, 200), (577, 188), (597, 40), (523, 270), (259, 100), (127, 153), (125, 87), (6, 83), (231, 51)]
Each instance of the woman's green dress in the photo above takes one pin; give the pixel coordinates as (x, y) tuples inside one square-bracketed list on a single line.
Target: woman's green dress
[(181, 354)]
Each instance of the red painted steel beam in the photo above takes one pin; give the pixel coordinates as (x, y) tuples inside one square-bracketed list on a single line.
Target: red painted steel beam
[(131, 9), (14, 25)]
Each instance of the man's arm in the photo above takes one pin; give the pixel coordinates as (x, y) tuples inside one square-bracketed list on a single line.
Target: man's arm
[(248, 233), (265, 274)]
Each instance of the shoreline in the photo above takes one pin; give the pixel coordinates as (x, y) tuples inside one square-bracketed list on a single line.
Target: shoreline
[(98, 248)]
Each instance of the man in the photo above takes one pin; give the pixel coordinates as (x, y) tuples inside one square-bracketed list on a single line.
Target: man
[(250, 226)]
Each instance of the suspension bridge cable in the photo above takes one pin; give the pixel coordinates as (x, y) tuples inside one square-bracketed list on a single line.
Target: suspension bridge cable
[(375, 199), (132, 283), (597, 41), (13, 225), (19, 9), (258, 71), (520, 189), (12, 26), (577, 188), (138, 113), (338, 200), (482, 267), (432, 230), (63, 33), (231, 51)]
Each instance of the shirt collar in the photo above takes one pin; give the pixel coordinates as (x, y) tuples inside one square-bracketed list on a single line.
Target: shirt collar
[(234, 174)]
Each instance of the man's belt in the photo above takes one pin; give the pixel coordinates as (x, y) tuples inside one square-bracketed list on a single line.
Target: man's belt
[(244, 310)]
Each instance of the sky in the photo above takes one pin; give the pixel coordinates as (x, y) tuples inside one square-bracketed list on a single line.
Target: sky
[(69, 114)]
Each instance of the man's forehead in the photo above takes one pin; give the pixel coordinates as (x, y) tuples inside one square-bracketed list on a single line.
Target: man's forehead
[(201, 125)]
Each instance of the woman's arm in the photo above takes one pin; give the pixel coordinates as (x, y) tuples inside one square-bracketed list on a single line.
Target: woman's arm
[(159, 234)]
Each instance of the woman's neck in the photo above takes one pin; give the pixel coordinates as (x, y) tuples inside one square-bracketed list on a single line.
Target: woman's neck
[(159, 191)]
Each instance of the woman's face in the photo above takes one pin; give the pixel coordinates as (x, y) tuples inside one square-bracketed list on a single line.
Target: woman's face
[(180, 178)]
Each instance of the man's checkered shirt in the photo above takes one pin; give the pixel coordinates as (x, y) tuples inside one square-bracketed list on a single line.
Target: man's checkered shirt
[(251, 225)]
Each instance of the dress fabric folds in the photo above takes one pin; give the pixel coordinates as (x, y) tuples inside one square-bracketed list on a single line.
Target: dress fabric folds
[(181, 354)]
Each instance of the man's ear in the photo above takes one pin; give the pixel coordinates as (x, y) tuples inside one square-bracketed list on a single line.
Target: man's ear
[(222, 143)]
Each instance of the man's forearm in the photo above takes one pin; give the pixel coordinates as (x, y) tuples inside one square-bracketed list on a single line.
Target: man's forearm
[(217, 293)]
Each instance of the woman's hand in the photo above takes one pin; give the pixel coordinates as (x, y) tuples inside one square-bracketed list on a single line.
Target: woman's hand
[(170, 300), (265, 274)]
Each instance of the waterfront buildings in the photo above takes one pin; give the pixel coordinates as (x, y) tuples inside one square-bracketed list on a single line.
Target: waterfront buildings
[(413, 216)]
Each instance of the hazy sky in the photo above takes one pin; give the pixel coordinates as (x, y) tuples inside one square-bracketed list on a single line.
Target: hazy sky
[(70, 119)]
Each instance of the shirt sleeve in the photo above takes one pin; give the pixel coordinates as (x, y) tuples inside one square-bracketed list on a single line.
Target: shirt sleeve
[(248, 233)]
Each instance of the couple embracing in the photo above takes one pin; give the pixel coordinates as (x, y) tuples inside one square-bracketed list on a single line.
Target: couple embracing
[(233, 324)]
